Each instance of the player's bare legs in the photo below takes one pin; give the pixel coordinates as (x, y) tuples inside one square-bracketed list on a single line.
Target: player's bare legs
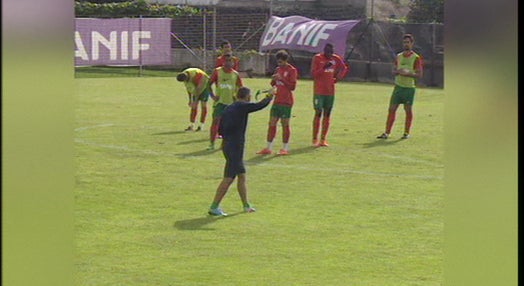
[(409, 118), (325, 127), (242, 192), (316, 125), (219, 195), (192, 115), (286, 134), (271, 132), (213, 132), (203, 114), (392, 111)]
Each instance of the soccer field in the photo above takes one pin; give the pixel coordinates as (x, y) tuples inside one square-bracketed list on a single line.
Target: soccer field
[(362, 211)]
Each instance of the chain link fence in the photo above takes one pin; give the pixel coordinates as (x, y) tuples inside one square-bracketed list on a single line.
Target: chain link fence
[(371, 44)]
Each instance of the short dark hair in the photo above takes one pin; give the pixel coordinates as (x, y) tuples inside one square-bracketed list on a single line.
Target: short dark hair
[(224, 42), (243, 92), (408, 36), (282, 55), (181, 76)]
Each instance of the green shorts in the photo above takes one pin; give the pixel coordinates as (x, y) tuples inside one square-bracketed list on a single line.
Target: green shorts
[(324, 102), (204, 96), (402, 95), (281, 111), (218, 109)]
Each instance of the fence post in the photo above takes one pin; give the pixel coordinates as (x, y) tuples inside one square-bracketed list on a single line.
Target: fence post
[(433, 37), (214, 28), (370, 53), (269, 17), (204, 54), (140, 50)]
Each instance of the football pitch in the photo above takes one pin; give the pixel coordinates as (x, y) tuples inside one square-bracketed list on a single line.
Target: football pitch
[(362, 211)]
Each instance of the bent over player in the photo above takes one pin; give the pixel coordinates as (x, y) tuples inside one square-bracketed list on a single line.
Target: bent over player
[(198, 89)]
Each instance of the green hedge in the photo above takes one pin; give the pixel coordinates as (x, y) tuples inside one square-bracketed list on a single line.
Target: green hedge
[(132, 9)]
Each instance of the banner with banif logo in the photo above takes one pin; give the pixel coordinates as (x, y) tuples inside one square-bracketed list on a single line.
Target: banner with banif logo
[(124, 41), (301, 33)]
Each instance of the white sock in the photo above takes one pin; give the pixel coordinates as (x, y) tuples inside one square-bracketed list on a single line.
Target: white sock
[(286, 146), (191, 124), (270, 145), (201, 125)]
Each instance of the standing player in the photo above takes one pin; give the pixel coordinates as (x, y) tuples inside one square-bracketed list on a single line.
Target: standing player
[(285, 81), (225, 48), (233, 129), (227, 82), (198, 90), (407, 68), (326, 68)]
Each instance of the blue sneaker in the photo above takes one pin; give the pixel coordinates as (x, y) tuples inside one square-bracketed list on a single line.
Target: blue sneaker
[(217, 212)]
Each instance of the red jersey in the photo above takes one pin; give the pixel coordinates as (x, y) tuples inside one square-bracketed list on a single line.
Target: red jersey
[(285, 85), (221, 60), (325, 77)]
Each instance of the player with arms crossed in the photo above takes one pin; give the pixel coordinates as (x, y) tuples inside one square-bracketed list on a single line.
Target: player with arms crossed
[(198, 89), (326, 68), (233, 129), (227, 82), (407, 68), (284, 80)]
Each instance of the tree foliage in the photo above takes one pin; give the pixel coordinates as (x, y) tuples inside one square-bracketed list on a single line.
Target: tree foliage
[(426, 11), (134, 8)]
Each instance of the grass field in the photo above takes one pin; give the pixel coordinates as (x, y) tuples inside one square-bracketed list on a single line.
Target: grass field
[(360, 212)]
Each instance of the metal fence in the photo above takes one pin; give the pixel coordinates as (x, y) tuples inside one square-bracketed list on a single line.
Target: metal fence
[(371, 45)]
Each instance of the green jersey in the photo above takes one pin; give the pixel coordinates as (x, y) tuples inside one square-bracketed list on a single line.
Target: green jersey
[(196, 76), (410, 61), (227, 84)]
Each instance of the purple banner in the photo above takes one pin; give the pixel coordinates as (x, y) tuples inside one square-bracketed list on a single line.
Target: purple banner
[(301, 33), (124, 41)]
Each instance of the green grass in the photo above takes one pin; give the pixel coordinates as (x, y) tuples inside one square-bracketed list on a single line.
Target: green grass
[(360, 212)]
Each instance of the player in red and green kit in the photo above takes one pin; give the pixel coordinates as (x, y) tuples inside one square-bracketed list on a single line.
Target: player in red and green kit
[(326, 68), (227, 82), (225, 48), (198, 89), (407, 68), (284, 80)]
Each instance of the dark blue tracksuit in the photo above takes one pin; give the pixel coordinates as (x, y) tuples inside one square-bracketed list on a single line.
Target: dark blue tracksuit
[(232, 127)]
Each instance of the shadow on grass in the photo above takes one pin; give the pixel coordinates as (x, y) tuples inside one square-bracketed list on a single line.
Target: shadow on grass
[(380, 142), (258, 159), (199, 153), (201, 223), (170, 133), (193, 141)]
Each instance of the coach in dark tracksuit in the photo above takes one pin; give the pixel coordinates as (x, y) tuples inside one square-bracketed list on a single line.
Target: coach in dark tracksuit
[(233, 129)]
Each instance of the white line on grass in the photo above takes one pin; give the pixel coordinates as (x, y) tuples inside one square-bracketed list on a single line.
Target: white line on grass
[(409, 159), (94, 126)]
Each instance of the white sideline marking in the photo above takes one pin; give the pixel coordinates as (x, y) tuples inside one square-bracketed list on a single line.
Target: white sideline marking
[(431, 164), (94, 126)]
